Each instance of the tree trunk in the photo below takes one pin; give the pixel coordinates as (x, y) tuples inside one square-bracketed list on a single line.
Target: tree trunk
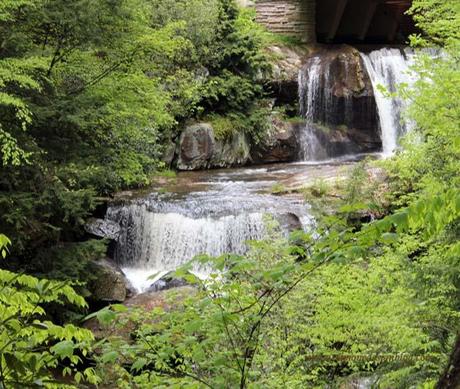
[(450, 379)]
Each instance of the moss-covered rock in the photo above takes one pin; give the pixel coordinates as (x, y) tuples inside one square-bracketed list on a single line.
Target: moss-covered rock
[(281, 144), (110, 283), (231, 151), (198, 148)]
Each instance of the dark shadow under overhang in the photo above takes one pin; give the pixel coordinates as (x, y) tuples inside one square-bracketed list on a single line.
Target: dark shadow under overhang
[(363, 21)]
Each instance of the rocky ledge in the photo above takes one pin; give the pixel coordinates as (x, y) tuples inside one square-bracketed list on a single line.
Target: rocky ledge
[(281, 143), (342, 113), (198, 147)]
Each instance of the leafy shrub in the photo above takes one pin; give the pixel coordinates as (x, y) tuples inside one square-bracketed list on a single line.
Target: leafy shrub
[(32, 347)]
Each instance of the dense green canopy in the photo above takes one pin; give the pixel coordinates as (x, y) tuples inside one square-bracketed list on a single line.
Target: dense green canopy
[(93, 92)]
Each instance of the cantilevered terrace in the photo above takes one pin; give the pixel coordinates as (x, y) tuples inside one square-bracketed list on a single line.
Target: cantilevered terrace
[(338, 21)]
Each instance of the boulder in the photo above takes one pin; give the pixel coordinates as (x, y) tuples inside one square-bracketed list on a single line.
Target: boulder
[(168, 281), (103, 228), (199, 149), (196, 147), (168, 153), (231, 151), (281, 144), (110, 284), (289, 221)]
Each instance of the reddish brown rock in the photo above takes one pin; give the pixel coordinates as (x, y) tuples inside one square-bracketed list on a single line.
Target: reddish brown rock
[(281, 145), (341, 108)]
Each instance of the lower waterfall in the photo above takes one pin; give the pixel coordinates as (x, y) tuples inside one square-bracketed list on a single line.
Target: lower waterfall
[(388, 68), (155, 243), (161, 232)]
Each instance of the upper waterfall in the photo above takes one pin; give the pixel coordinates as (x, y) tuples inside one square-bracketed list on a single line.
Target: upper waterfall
[(311, 94), (343, 100), (389, 68), (336, 99)]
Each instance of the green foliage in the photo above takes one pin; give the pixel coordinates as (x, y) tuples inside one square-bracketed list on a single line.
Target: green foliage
[(349, 318), (283, 40), (319, 188), (223, 127), (438, 19), (235, 70), (71, 261), (255, 124), (354, 187), (167, 174), (278, 188), (4, 243), (32, 347), (92, 91)]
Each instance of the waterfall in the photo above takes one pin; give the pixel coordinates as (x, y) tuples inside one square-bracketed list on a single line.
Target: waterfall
[(388, 68), (336, 100), (155, 243), (311, 95), (161, 232)]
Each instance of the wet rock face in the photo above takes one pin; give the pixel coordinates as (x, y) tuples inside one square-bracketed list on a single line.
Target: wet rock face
[(103, 228), (234, 151), (290, 221), (168, 281), (337, 97), (286, 64), (281, 145), (198, 149), (168, 153), (338, 141)]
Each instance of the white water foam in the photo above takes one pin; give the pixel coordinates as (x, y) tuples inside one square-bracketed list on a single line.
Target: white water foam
[(310, 93), (389, 68), (156, 243)]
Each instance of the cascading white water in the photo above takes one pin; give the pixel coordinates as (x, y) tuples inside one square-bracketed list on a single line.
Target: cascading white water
[(311, 95), (389, 68), (338, 106), (161, 232), (155, 243)]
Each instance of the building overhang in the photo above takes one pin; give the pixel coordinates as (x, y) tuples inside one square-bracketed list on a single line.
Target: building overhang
[(363, 21)]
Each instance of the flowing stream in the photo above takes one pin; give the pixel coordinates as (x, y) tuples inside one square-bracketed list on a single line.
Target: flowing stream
[(216, 212), (209, 212)]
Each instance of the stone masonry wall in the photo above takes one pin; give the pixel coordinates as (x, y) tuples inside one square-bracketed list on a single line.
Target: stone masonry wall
[(289, 17)]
